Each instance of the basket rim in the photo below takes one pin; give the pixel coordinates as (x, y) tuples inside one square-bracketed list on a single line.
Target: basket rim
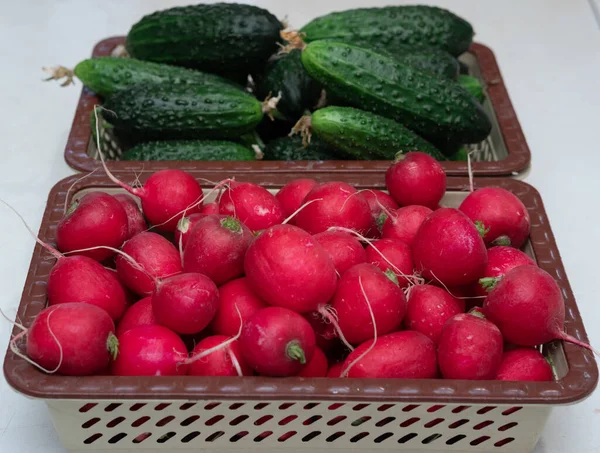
[(517, 161), (576, 385)]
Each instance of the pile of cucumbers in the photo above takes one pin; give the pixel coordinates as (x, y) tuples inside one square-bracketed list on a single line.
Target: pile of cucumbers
[(227, 82)]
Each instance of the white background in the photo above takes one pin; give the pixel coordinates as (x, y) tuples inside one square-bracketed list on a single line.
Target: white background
[(549, 54)]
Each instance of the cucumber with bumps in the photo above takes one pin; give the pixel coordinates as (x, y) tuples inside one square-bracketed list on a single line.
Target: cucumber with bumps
[(189, 150)]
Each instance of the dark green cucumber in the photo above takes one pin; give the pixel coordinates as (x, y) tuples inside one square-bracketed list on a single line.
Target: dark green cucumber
[(165, 112), (433, 107), (107, 75), (416, 25), (285, 74), (292, 148), (220, 37), (472, 85), (366, 135), (460, 155), (189, 150)]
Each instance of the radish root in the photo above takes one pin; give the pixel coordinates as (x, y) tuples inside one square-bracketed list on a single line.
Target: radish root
[(300, 209), (330, 316), (295, 40), (73, 185), (303, 127), (60, 72), (129, 259), (269, 105)]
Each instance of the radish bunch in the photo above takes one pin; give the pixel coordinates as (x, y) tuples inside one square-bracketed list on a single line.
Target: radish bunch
[(317, 280)]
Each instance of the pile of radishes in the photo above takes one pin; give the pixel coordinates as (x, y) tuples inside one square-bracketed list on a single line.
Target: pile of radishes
[(317, 280)]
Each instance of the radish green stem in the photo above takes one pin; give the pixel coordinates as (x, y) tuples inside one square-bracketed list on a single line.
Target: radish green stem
[(295, 352)]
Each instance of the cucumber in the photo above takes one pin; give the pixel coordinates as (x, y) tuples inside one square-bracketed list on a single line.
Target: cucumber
[(460, 155), (166, 112), (433, 107), (220, 37), (189, 150), (417, 25), (366, 135), (472, 85), (292, 148), (107, 75), (285, 74)]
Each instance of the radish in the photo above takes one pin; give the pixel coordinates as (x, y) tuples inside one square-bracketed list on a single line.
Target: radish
[(135, 219), (524, 364), (254, 205), (397, 258), (97, 219), (210, 208), (81, 279), (405, 222), (335, 370), (216, 248), (185, 303), (380, 202), (428, 308), (155, 254), (343, 248), (139, 314), (470, 347), (150, 351), (399, 355), (334, 204), (184, 228), (448, 248), (416, 179), (528, 307), (317, 367), (74, 339), (226, 361), (501, 259), (276, 341), (324, 330), (500, 213), (287, 267), (235, 295), (291, 195), (386, 299)]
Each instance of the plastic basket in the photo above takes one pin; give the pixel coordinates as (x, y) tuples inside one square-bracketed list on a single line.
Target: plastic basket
[(190, 414)]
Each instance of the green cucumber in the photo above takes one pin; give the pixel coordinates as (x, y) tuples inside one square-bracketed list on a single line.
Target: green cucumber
[(107, 75), (472, 85), (460, 155), (165, 112), (285, 75), (433, 107), (220, 37), (416, 26), (189, 150), (292, 148), (366, 135)]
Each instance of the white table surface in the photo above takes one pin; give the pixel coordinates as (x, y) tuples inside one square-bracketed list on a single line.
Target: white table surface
[(549, 54)]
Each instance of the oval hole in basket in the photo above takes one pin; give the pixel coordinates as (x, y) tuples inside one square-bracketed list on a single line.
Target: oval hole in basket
[(434, 422), (459, 409), (285, 406), (286, 436), (117, 438), (161, 406), (507, 426), (409, 407), (262, 420), (358, 437), (115, 422), (310, 436), (486, 409), (361, 420), (310, 406), (93, 438), (435, 408), (213, 420), (385, 407), (214, 436), (211, 406), (311, 420), (191, 436), (260, 406), (235, 406), (431, 438), (409, 422), (188, 421), (407, 438), (455, 439), (458, 423), (360, 407), (336, 420), (335, 406), (112, 406), (262, 436), (237, 420), (165, 437), (335, 436), (91, 422), (238, 436), (141, 438), (503, 442), (136, 407), (186, 406), (482, 425), (383, 437), (288, 419), (87, 407), (166, 420), (512, 410), (385, 421), (479, 440), (140, 421)]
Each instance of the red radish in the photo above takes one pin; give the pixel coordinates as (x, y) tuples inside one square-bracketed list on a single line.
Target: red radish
[(470, 347), (81, 279), (291, 195), (155, 254), (73, 339), (317, 367), (139, 314), (335, 370), (255, 206), (343, 248), (226, 361), (501, 259), (276, 341), (400, 355), (528, 307), (235, 296), (216, 248), (501, 214), (416, 179), (428, 309), (135, 219), (210, 208), (185, 303), (379, 202), (405, 222), (97, 219), (334, 204), (448, 248), (150, 351), (324, 330), (524, 364), (386, 299), (184, 228), (397, 258), (287, 267)]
